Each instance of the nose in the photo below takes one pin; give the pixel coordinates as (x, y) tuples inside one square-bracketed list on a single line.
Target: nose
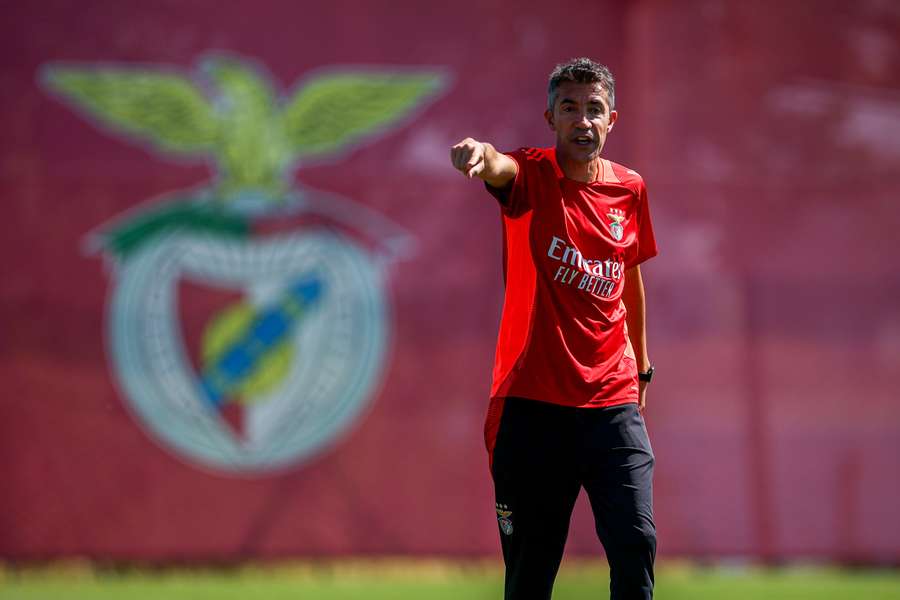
[(583, 122)]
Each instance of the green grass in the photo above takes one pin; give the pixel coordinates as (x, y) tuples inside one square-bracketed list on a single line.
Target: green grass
[(431, 580)]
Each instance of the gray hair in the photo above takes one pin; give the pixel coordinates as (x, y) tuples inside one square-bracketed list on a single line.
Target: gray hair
[(581, 70)]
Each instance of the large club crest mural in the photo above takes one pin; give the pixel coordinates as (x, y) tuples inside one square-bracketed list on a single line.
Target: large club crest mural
[(293, 350)]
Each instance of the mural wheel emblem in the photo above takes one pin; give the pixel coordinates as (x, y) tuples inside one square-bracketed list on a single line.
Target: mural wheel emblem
[(300, 354)]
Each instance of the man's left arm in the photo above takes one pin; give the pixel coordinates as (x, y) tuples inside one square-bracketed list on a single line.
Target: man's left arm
[(633, 298)]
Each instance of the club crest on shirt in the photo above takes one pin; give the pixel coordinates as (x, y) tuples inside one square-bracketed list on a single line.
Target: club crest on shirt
[(616, 217), (504, 518)]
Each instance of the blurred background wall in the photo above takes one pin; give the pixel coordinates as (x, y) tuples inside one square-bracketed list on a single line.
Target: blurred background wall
[(769, 137)]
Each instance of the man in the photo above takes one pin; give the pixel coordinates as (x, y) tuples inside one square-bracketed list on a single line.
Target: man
[(571, 369)]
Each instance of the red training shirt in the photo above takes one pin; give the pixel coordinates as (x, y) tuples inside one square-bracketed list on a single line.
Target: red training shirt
[(567, 244)]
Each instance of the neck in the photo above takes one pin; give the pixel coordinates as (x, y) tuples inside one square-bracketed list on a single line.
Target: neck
[(585, 172)]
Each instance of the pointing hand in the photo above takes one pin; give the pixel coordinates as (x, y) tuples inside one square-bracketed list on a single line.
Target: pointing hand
[(468, 157)]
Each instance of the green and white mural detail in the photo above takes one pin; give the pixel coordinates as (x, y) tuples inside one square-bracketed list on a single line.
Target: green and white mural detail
[(303, 349)]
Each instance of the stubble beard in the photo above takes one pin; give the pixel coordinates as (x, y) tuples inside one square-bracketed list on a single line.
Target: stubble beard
[(581, 154)]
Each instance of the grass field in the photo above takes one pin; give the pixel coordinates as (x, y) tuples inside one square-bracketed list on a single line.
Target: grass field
[(431, 580)]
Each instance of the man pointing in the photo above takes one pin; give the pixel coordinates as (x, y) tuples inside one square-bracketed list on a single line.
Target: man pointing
[(571, 368)]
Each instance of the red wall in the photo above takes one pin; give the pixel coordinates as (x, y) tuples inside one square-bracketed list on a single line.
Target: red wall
[(768, 136)]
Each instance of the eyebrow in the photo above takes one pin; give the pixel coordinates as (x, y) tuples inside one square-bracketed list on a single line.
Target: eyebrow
[(597, 100)]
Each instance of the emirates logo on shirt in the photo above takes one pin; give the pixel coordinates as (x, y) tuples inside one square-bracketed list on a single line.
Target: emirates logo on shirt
[(598, 277)]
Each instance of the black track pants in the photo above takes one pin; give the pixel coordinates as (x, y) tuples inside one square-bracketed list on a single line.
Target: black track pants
[(544, 453)]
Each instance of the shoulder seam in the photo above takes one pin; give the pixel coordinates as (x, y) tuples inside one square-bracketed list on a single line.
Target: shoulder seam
[(634, 182)]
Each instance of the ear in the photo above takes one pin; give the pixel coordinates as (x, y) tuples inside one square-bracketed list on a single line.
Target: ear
[(613, 115), (548, 115)]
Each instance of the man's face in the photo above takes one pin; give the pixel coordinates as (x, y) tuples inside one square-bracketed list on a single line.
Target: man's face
[(581, 119)]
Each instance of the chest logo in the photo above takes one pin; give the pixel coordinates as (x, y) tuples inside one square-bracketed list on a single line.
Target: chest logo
[(616, 217)]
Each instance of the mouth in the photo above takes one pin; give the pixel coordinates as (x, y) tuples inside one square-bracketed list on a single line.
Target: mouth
[(583, 140)]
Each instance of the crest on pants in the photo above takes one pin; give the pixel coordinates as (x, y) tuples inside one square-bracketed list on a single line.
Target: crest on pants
[(504, 518)]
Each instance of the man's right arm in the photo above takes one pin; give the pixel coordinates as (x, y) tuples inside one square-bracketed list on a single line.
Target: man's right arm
[(477, 159)]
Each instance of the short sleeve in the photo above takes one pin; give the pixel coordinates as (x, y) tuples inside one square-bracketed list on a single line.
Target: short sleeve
[(513, 198), (645, 239)]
